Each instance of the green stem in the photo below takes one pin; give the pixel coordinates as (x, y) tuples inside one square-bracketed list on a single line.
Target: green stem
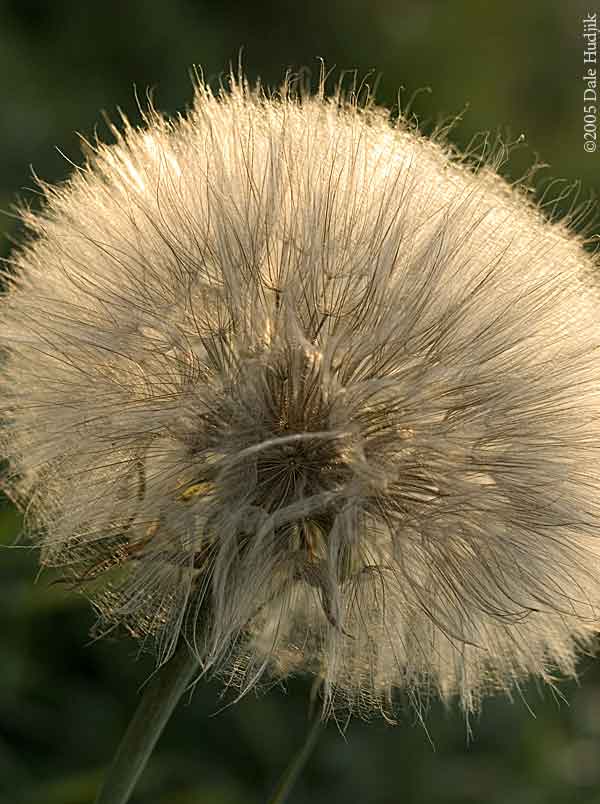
[(294, 769), (158, 701)]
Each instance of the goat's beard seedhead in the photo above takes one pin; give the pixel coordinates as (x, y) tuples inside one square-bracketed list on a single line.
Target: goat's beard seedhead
[(296, 381)]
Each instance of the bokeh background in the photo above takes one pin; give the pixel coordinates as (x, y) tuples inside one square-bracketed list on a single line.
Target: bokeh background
[(507, 67)]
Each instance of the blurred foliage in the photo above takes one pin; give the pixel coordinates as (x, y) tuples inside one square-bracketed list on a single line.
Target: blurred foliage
[(64, 701)]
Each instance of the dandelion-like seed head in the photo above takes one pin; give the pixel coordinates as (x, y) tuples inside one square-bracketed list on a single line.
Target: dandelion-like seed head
[(291, 378)]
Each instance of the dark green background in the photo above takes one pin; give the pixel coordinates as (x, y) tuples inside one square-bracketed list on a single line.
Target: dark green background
[(63, 701)]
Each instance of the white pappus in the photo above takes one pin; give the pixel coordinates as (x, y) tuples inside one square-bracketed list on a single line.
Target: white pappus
[(291, 376)]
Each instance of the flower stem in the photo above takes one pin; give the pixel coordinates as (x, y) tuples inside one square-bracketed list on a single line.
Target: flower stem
[(158, 701), (297, 764)]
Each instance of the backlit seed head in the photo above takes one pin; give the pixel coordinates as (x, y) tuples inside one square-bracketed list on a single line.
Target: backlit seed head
[(288, 374)]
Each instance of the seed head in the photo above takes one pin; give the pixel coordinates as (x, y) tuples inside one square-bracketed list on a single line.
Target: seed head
[(289, 375)]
